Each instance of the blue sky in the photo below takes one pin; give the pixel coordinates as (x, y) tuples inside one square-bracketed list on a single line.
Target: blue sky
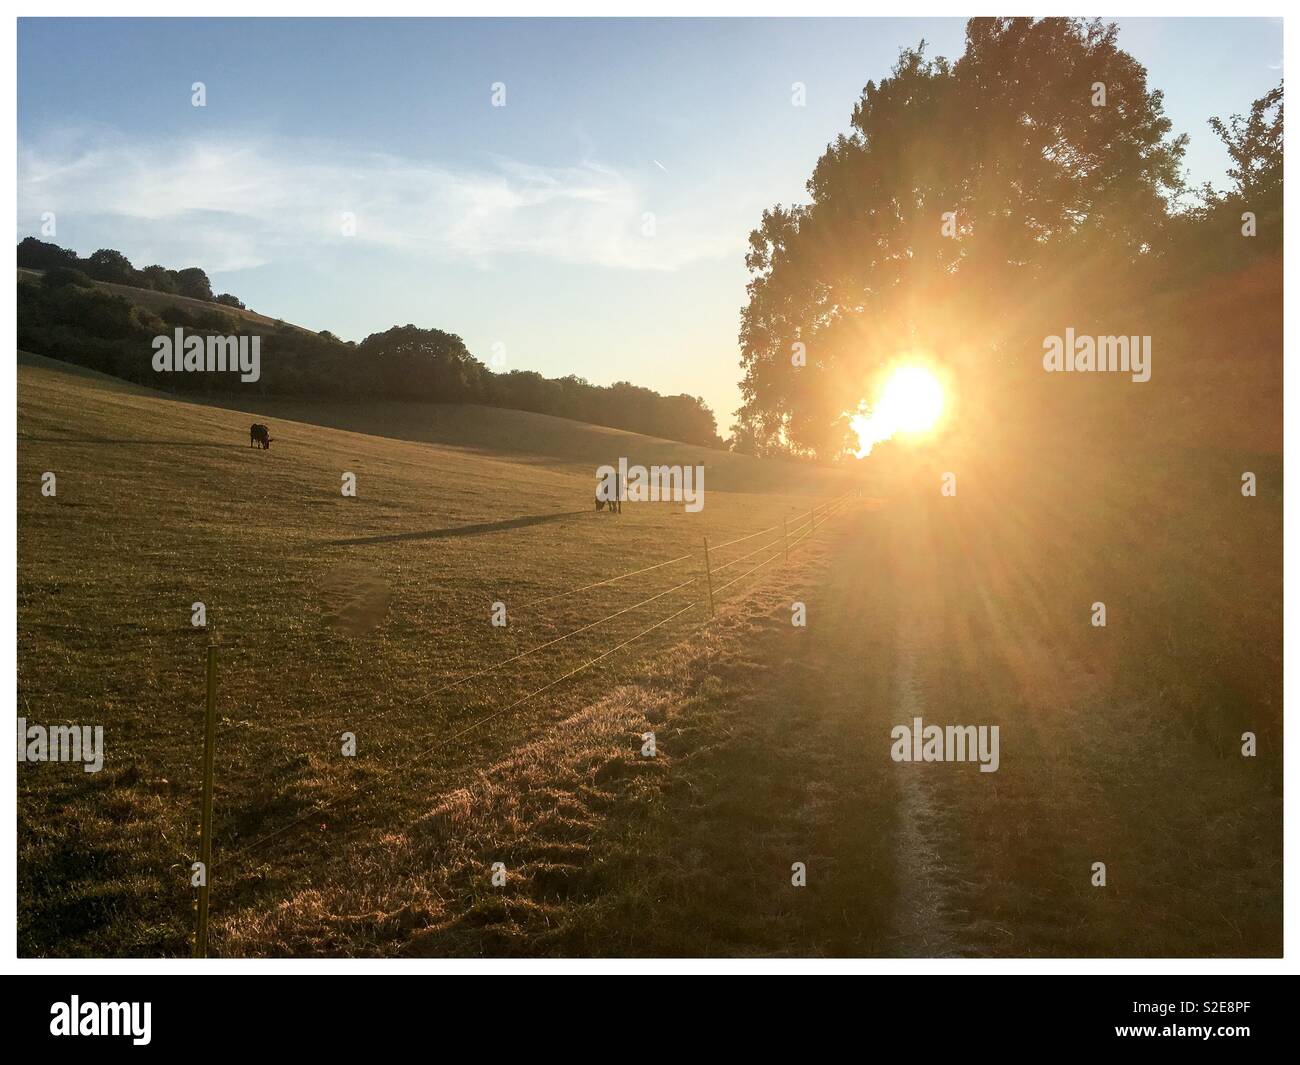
[(524, 226)]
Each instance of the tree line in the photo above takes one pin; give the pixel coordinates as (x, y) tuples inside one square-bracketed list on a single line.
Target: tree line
[(110, 265), (65, 315)]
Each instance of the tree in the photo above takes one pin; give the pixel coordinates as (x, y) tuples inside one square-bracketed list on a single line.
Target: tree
[(959, 186), (36, 254), (159, 278), (107, 264), (414, 363), (58, 276), (1254, 144), (194, 283)]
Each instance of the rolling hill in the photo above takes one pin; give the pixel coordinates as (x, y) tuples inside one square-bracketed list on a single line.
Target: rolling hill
[(156, 301), (332, 614)]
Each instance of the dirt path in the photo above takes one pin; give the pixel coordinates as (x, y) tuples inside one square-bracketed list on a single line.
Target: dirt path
[(921, 926)]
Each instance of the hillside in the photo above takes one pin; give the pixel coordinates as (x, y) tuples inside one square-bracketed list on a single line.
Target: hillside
[(157, 301), (522, 744), (332, 614)]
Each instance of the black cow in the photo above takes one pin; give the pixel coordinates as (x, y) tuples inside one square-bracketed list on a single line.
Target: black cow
[(615, 505), (260, 436)]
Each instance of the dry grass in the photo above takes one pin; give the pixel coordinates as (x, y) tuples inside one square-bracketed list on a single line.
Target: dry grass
[(773, 748), (1118, 745), (759, 763), (161, 503)]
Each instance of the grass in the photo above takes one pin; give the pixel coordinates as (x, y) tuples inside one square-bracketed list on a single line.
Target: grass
[(332, 615), (771, 749), (1118, 744)]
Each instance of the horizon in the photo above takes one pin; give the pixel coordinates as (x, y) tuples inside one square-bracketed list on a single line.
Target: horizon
[(521, 228)]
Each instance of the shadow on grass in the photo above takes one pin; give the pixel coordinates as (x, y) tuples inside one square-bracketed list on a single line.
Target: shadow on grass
[(108, 440), (457, 530)]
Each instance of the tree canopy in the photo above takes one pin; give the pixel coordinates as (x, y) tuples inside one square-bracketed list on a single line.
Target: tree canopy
[(959, 187)]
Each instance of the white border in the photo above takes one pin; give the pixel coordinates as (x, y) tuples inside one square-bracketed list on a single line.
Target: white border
[(595, 8)]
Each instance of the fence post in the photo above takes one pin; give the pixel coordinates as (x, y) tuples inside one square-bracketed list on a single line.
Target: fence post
[(708, 574), (785, 540), (205, 827), (812, 519)]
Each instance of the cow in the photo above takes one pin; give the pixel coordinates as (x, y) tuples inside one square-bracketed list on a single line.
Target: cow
[(260, 436), (614, 504)]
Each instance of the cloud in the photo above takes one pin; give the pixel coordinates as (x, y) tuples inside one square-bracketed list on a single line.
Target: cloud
[(233, 203)]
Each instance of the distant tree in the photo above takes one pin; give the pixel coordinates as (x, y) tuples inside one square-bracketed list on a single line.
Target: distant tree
[(194, 283), (230, 301), (58, 276), (107, 264), (525, 390), (415, 363), (159, 278), (207, 319), (38, 255)]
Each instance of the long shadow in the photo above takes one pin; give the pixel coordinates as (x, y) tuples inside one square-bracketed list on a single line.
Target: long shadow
[(108, 440), (457, 530)]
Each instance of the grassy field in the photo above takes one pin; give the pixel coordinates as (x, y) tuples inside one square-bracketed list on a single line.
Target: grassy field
[(1119, 744), (332, 615), (772, 749)]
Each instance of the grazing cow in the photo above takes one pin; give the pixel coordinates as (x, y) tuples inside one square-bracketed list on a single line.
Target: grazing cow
[(615, 505), (260, 436)]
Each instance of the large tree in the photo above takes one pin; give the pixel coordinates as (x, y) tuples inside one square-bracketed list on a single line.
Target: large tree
[(960, 188), (407, 362)]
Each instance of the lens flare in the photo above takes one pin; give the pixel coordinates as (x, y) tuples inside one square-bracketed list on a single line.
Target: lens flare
[(910, 401)]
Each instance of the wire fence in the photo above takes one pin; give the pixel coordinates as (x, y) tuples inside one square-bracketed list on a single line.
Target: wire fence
[(530, 605), (782, 544)]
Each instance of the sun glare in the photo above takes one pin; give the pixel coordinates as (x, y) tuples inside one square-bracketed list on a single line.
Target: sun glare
[(910, 401)]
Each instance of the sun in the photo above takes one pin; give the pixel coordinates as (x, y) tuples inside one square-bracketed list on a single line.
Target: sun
[(910, 401)]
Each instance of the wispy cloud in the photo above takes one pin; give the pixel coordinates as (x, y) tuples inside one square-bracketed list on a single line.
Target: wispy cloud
[(232, 204)]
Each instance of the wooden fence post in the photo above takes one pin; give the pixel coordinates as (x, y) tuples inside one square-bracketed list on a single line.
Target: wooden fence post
[(708, 574), (785, 540), (205, 827)]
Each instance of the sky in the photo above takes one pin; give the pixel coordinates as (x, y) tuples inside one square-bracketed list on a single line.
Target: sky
[(596, 224)]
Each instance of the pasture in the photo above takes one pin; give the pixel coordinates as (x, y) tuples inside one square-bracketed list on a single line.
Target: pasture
[(1120, 744), (332, 615)]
